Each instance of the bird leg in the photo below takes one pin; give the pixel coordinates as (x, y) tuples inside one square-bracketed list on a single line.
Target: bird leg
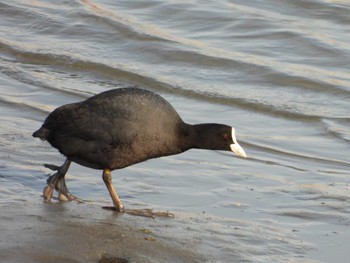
[(57, 182), (107, 178), (118, 206)]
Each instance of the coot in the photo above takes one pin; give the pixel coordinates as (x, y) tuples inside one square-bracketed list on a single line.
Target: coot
[(121, 127)]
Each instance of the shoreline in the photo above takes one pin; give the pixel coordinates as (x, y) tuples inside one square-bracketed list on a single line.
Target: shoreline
[(72, 232)]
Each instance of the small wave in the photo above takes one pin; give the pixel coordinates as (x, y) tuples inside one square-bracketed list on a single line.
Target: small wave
[(338, 128)]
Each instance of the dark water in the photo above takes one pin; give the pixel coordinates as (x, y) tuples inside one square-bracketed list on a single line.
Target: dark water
[(278, 71)]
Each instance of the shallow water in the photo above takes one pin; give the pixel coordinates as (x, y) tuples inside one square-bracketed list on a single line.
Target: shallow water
[(278, 71)]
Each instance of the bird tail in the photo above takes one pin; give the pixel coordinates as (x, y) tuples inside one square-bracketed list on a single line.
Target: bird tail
[(42, 133)]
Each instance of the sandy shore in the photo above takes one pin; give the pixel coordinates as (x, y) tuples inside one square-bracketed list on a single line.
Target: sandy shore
[(73, 232)]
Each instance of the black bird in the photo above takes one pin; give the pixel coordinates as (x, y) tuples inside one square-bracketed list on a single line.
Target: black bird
[(121, 127)]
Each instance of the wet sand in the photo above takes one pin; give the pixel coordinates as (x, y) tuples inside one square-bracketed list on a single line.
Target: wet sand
[(71, 232)]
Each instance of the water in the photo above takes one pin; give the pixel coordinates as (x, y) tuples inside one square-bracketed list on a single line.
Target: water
[(278, 71)]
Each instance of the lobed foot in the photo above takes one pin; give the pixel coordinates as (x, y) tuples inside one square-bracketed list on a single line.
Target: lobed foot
[(148, 213), (142, 212), (57, 182), (48, 192)]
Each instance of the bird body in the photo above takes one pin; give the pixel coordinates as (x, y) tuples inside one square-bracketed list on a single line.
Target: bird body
[(110, 130)]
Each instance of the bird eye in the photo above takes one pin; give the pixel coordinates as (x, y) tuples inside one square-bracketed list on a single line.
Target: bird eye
[(226, 136)]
